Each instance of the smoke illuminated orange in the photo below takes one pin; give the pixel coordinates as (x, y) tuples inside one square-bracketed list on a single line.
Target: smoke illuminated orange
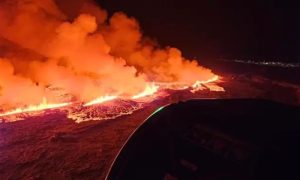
[(91, 58)]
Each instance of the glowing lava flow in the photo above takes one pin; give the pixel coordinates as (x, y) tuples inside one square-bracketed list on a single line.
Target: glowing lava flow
[(100, 100), (200, 85), (149, 90), (33, 108)]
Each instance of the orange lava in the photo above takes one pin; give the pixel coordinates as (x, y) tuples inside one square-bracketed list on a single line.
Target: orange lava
[(149, 90), (35, 108), (210, 84), (100, 100)]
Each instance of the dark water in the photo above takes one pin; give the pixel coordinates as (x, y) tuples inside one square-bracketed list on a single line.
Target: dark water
[(286, 72)]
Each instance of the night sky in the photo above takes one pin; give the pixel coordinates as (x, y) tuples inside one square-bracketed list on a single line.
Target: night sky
[(213, 29)]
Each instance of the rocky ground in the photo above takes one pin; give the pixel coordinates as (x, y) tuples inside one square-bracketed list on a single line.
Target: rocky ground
[(54, 147)]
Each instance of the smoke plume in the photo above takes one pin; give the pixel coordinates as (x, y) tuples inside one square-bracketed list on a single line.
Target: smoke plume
[(79, 50)]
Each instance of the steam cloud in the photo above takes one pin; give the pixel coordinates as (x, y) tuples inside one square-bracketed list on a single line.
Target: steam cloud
[(45, 43)]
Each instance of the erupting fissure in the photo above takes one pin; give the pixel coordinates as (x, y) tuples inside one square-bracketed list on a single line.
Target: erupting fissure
[(100, 100), (89, 57), (32, 108)]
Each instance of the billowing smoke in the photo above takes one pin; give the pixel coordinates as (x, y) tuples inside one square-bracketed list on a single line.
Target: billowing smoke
[(46, 44)]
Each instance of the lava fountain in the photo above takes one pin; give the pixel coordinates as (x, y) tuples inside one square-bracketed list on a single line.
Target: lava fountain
[(91, 59)]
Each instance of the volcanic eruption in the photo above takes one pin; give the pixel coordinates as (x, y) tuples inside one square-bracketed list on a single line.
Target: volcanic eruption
[(50, 59)]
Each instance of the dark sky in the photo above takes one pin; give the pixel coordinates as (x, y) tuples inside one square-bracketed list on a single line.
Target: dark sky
[(225, 28)]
